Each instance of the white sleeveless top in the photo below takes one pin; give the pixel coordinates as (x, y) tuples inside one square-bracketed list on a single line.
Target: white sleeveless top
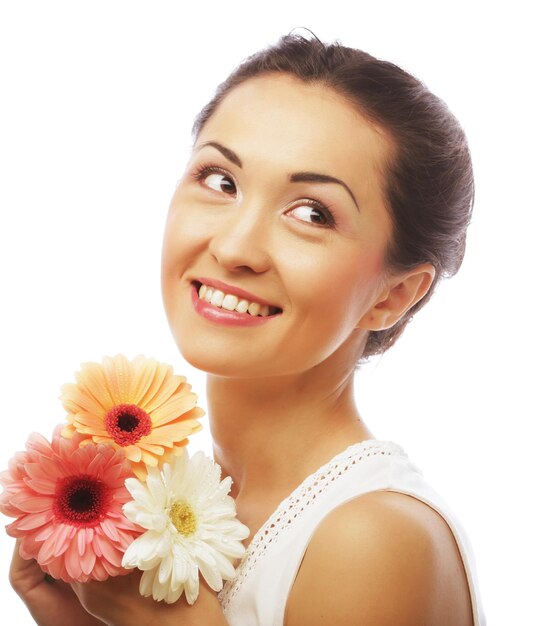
[(258, 594)]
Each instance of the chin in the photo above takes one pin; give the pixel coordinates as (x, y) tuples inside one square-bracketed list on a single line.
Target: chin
[(229, 367), (212, 363)]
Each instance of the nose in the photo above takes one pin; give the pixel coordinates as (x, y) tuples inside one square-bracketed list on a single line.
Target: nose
[(241, 240)]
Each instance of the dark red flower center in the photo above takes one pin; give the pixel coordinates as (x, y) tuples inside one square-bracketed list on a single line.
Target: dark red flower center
[(127, 424), (81, 500)]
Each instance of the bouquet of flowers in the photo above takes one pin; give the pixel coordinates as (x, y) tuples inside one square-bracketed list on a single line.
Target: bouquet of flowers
[(115, 488)]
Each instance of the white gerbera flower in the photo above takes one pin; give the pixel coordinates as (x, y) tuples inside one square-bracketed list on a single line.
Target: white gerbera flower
[(191, 525)]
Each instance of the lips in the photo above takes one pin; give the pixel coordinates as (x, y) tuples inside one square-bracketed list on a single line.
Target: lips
[(231, 306), (232, 298)]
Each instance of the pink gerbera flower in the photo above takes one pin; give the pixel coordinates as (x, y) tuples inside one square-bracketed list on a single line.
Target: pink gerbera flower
[(67, 501)]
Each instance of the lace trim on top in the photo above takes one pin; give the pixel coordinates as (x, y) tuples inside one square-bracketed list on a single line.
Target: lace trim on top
[(295, 504)]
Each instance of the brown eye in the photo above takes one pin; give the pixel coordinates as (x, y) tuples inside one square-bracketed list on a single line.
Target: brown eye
[(312, 212), (220, 182), (309, 214)]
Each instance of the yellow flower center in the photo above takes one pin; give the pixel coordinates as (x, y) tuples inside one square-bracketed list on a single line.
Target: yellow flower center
[(183, 518)]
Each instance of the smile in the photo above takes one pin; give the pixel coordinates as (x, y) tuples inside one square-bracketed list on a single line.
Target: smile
[(226, 308), (232, 302)]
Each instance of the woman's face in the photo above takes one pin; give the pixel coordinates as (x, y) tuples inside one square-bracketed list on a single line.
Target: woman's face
[(252, 211)]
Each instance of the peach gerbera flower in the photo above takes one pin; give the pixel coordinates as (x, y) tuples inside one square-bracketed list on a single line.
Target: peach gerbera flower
[(139, 406), (67, 502)]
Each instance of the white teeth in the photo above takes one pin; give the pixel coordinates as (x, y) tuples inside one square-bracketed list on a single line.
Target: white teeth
[(242, 307), (254, 308), (231, 302), (217, 298)]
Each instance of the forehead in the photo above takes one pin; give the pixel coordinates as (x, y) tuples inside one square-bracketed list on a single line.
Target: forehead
[(277, 119)]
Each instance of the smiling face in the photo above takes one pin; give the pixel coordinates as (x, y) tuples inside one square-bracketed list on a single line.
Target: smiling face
[(249, 212)]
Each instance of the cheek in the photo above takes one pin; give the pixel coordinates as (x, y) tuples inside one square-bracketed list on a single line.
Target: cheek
[(169, 258), (329, 302), (348, 285), (179, 245), (184, 235)]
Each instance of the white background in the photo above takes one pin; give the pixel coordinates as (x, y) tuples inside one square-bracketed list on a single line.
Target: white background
[(97, 102)]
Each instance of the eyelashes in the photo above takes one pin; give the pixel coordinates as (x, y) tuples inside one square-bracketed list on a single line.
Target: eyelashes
[(322, 210), (202, 171)]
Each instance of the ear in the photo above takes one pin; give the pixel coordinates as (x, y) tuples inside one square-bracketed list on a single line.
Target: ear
[(402, 293)]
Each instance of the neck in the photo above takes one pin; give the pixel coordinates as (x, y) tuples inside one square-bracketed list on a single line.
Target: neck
[(270, 434)]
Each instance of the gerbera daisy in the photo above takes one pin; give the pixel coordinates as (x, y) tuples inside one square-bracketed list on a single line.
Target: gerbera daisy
[(68, 504), (139, 406), (191, 527)]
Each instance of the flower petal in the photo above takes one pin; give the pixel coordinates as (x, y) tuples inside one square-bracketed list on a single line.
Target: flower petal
[(29, 503), (146, 582), (91, 380), (192, 586), (33, 520), (173, 409), (118, 374), (133, 453)]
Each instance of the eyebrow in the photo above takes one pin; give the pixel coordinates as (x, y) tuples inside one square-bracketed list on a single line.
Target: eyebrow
[(296, 177)]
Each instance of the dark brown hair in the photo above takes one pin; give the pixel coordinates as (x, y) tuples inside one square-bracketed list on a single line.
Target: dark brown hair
[(429, 179)]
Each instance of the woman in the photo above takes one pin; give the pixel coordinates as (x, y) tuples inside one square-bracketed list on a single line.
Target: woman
[(326, 194)]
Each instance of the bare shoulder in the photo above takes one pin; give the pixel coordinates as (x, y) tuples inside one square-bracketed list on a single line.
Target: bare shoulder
[(381, 559)]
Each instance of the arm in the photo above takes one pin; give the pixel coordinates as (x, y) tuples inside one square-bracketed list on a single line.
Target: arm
[(383, 559)]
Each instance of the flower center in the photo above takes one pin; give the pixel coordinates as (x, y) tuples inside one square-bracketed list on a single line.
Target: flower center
[(183, 518), (80, 500), (127, 424)]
